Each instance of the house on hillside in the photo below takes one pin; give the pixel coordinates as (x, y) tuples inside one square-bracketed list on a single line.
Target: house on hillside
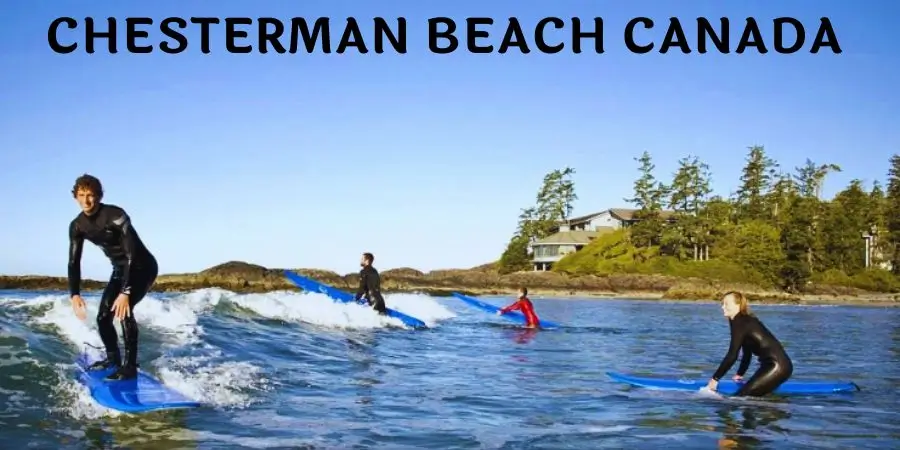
[(572, 235), (552, 248), (614, 218)]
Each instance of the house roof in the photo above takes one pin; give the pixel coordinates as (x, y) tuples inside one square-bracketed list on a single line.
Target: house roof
[(628, 214), (618, 213), (585, 218), (571, 237)]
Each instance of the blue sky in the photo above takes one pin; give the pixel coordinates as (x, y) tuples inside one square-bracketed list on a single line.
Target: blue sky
[(425, 160)]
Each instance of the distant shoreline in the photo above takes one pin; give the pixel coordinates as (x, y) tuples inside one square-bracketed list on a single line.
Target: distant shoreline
[(241, 277)]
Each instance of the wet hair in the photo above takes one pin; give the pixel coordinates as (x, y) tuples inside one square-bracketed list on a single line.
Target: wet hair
[(88, 183), (741, 300), (370, 258), (523, 290)]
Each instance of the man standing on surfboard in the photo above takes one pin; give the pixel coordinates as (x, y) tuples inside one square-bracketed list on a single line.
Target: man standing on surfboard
[(134, 271), (524, 304), (370, 284)]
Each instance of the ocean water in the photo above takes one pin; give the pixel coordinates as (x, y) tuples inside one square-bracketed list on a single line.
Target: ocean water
[(291, 370)]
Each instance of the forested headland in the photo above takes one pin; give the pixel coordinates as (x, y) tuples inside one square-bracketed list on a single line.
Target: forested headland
[(775, 231)]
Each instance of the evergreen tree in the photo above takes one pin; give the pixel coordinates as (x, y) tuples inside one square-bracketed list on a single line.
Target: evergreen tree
[(756, 180), (877, 220), (646, 192), (755, 244), (892, 214), (779, 198), (515, 256), (796, 239), (648, 197), (717, 216), (557, 195), (687, 196), (554, 204), (810, 178), (845, 223)]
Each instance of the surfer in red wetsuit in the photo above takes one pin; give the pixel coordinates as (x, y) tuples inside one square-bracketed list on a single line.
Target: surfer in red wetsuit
[(523, 304)]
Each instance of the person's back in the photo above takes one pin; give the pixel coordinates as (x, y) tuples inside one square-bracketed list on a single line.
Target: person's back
[(528, 311), (758, 339)]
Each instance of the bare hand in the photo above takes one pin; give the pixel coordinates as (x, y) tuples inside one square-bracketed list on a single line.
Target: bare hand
[(712, 385), (78, 307), (737, 378), (121, 307)]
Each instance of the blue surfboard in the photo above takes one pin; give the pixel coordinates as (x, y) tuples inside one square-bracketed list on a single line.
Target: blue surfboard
[(730, 387), (142, 394), (514, 316), (338, 295)]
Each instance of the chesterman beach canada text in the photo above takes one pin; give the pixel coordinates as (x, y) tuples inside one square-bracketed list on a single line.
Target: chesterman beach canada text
[(467, 225), (444, 35)]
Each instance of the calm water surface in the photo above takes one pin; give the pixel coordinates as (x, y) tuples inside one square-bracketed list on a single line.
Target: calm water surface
[(285, 370)]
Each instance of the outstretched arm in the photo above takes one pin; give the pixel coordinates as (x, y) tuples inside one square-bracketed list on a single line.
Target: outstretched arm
[(129, 244), (513, 307), (76, 246), (737, 338)]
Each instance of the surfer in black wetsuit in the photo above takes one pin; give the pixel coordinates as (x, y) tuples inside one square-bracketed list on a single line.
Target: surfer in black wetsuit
[(750, 337), (134, 272), (370, 284)]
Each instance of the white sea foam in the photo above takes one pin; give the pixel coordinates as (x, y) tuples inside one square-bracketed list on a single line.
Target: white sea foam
[(318, 309)]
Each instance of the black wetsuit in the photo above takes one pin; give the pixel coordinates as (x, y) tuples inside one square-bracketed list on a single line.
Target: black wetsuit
[(370, 286), (751, 337), (134, 272)]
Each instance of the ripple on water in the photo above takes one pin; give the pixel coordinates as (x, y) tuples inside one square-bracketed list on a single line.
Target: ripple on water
[(286, 370)]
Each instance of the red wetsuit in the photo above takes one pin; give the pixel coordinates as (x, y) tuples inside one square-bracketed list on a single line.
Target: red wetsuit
[(524, 305)]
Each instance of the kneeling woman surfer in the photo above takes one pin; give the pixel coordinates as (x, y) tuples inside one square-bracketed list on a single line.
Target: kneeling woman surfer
[(751, 337)]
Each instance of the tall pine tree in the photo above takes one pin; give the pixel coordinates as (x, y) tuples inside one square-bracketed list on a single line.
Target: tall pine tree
[(554, 203), (892, 214), (688, 194), (877, 220), (756, 180), (809, 179), (648, 198), (845, 222)]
